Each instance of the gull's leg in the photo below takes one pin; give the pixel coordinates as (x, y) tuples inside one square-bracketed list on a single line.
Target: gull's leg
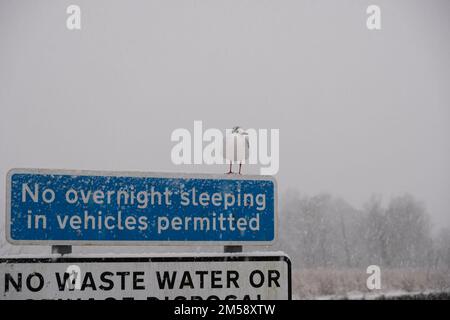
[(229, 172), (240, 166)]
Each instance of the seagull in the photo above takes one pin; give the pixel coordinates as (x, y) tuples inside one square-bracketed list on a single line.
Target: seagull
[(236, 147)]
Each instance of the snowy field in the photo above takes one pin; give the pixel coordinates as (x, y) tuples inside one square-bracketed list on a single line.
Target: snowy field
[(338, 284)]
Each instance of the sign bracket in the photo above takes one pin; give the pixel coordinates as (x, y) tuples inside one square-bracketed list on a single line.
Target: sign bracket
[(62, 250), (232, 249)]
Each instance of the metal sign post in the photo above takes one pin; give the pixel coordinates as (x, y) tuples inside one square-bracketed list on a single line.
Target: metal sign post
[(62, 250), (232, 249)]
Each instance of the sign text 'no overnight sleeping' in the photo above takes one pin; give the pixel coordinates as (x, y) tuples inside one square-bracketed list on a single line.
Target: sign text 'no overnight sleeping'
[(86, 207)]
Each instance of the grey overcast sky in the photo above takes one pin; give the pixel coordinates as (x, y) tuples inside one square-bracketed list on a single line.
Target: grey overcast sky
[(359, 111)]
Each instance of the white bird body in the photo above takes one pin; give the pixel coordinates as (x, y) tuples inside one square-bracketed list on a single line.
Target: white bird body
[(236, 147)]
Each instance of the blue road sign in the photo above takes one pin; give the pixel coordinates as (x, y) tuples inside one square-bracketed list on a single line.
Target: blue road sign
[(104, 208)]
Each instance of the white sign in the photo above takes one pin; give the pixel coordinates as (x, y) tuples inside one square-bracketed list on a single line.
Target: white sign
[(224, 277)]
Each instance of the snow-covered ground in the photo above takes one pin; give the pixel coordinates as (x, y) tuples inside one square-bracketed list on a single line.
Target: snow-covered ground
[(357, 295)]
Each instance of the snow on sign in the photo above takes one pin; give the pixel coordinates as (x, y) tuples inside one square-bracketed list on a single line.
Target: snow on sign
[(125, 208), (164, 278)]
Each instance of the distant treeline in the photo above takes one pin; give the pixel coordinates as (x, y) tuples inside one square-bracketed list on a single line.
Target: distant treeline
[(323, 231)]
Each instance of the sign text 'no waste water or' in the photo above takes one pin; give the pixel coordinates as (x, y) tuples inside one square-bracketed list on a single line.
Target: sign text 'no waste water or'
[(86, 207), (249, 277)]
